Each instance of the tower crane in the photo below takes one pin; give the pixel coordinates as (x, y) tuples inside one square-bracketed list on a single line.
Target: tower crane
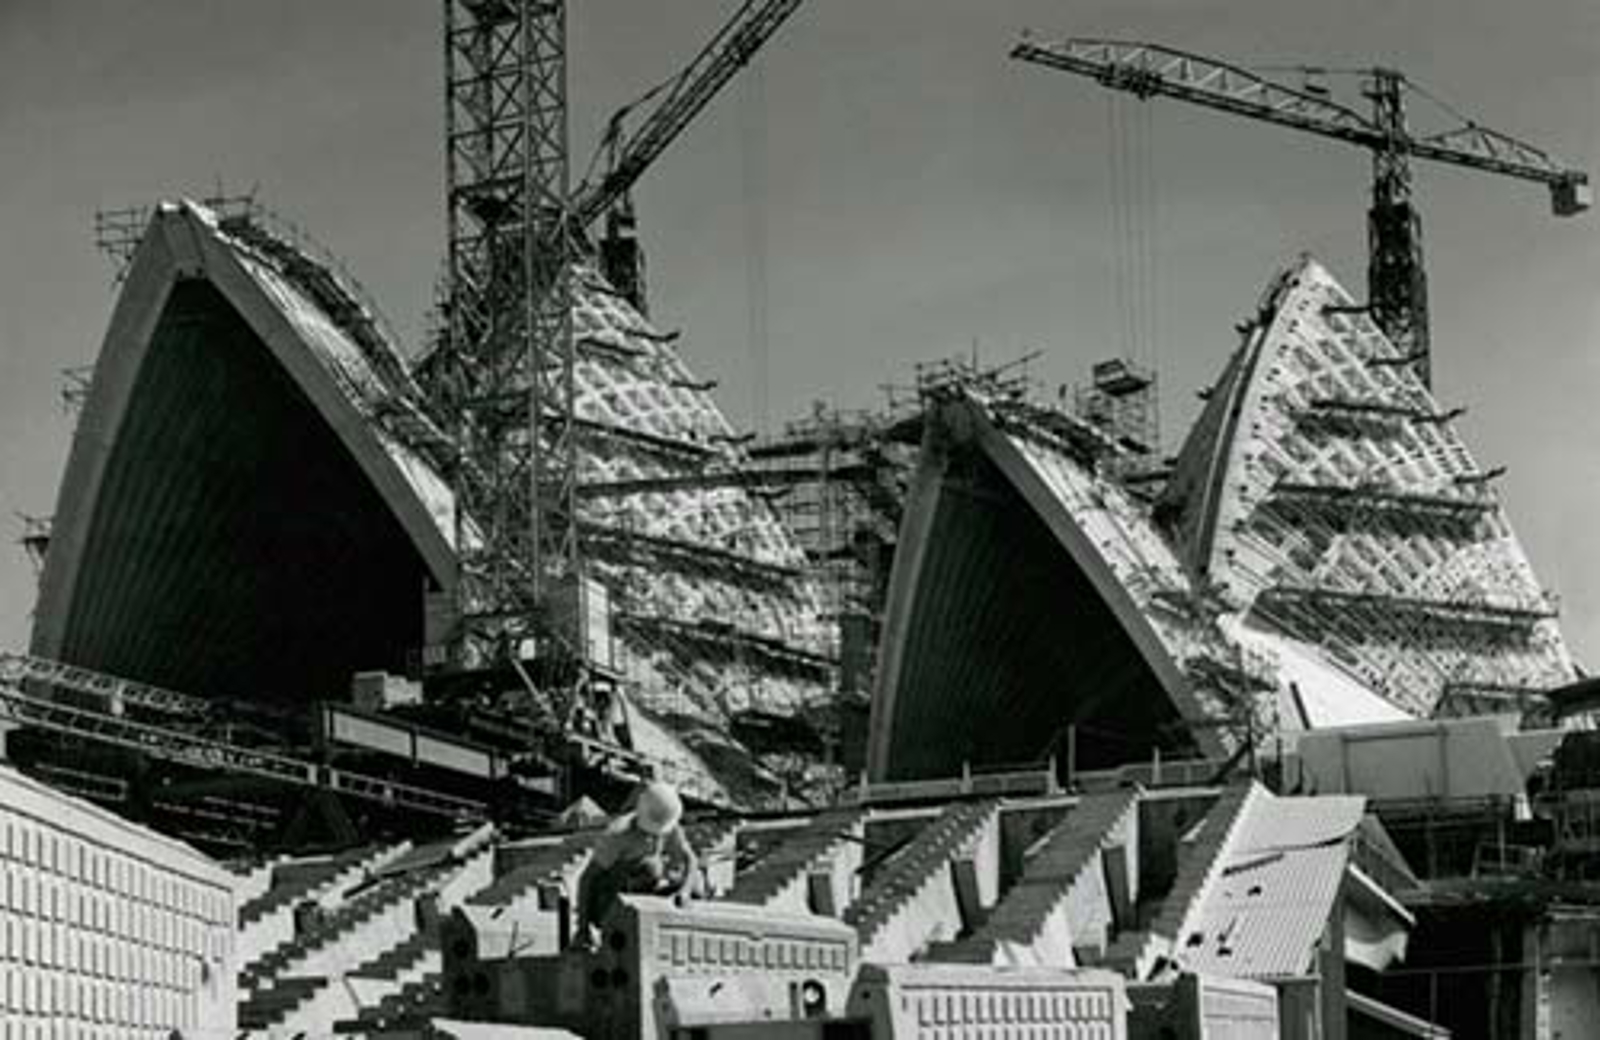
[(1397, 290), (507, 355)]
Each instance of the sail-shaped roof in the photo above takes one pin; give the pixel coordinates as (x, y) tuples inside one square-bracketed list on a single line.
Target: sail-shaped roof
[(1326, 551), (256, 499), (1030, 595), (1326, 494)]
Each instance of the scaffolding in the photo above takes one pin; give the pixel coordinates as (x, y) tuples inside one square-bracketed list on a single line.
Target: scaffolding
[(509, 349), (117, 233), (1122, 398)]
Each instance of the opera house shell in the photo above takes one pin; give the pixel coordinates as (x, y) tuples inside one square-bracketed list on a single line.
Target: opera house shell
[(255, 504), (1325, 551)]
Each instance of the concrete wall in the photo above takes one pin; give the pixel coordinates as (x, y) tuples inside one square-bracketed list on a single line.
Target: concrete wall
[(1202, 1008), (106, 928), (1454, 758), (1574, 995)]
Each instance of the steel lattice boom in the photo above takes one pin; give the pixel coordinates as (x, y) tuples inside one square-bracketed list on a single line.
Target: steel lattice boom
[(1397, 286), (685, 95), (509, 336)]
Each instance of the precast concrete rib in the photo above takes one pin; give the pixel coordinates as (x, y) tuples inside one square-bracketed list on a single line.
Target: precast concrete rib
[(1382, 541)]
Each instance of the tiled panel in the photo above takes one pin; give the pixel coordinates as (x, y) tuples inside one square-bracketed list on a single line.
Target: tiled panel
[(106, 929)]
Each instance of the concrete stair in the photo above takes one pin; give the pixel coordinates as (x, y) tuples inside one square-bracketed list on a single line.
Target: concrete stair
[(1035, 920), (255, 881), (559, 861), (381, 913), (267, 1008), (913, 899), (292, 882), (830, 841), (1136, 953), (270, 1008), (384, 895), (392, 962), (267, 922), (419, 999), (372, 948)]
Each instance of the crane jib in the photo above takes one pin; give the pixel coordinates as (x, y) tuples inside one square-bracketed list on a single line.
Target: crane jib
[(1148, 70)]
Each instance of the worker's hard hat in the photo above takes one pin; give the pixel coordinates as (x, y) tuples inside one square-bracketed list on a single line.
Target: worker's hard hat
[(659, 808)]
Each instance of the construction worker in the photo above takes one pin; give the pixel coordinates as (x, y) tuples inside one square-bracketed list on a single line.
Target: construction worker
[(641, 852)]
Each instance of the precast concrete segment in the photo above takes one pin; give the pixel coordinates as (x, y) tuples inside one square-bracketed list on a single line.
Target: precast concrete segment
[(108, 926), (1326, 495)]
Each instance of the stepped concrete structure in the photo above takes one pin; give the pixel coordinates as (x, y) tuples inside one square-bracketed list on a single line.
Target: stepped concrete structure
[(980, 895), (257, 504)]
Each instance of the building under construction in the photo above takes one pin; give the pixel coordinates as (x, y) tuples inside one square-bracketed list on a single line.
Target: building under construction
[(388, 616)]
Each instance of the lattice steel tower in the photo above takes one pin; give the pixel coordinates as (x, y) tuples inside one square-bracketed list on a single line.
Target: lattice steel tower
[(1397, 280), (508, 322)]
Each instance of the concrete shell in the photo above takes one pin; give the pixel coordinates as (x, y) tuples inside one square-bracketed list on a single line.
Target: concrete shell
[(1029, 594), (229, 523), (1326, 552), (254, 503), (1327, 496)]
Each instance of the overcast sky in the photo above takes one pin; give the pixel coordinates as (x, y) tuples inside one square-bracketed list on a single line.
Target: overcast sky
[(889, 188)]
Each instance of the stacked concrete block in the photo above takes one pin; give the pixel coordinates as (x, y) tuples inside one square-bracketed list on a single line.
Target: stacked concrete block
[(815, 865), (934, 888), (1065, 899), (107, 929), (380, 939)]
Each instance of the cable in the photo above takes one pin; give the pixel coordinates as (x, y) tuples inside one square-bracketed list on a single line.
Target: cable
[(1119, 273), (755, 241)]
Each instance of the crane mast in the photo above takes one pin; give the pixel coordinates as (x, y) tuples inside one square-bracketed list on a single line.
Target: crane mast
[(508, 322), (1396, 275), (1397, 280)]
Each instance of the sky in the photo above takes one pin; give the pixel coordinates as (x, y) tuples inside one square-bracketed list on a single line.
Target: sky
[(883, 187)]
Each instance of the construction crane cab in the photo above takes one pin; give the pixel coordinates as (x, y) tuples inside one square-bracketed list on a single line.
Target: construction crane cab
[(1571, 196)]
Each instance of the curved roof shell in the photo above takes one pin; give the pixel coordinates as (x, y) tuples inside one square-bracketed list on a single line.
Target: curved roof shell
[(254, 503), (1030, 594), (1326, 552), (228, 521), (1326, 494)]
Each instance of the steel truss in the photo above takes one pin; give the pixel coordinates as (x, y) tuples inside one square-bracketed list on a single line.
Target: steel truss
[(24, 709), (508, 343)]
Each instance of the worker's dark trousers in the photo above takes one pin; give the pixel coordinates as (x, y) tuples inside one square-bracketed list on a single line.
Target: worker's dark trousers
[(605, 885)]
